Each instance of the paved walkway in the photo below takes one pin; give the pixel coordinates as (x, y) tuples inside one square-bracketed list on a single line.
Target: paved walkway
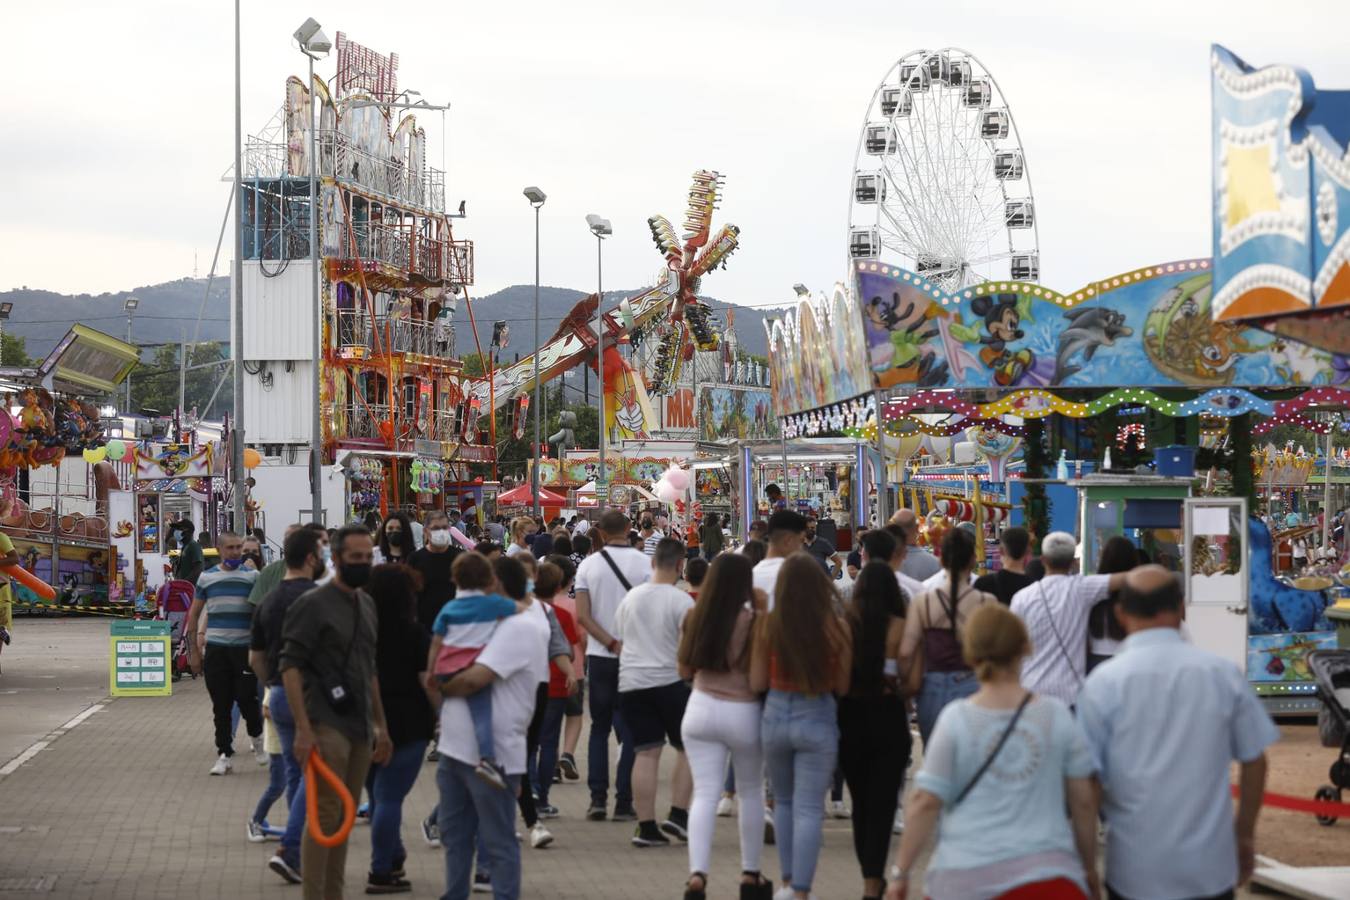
[(121, 806)]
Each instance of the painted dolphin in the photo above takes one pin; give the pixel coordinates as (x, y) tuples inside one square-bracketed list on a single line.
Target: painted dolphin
[(1093, 327)]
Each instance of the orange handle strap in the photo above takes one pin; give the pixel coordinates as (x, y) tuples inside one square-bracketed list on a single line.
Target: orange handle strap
[(316, 768)]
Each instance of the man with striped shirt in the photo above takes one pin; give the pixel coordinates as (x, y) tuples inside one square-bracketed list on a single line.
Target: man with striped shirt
[(222, 593)]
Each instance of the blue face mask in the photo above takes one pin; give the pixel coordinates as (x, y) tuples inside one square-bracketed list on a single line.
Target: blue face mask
[(231, 563), (529, 585)]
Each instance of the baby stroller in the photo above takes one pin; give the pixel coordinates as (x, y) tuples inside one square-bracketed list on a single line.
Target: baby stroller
[(173, 602), (1331, 668)]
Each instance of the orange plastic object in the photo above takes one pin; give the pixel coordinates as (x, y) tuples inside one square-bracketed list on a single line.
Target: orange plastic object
[(316, 768), (30, 581)]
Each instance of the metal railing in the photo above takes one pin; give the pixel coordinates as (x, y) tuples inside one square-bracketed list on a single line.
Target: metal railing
[(341, 158), (363, 419)]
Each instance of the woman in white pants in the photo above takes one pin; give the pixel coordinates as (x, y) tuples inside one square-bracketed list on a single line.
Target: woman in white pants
[(722, 718)]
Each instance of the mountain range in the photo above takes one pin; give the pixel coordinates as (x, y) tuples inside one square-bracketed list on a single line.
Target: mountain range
[(167, 313)]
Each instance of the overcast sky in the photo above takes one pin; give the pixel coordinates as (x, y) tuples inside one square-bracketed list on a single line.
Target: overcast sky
[(119, 123)]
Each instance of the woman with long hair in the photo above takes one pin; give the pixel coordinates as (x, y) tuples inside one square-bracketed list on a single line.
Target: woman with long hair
[(930, 653), (802, 656), (401, 650), (722, 718), (1105, 633), (874, 739), (394, 543), (1000, 770)]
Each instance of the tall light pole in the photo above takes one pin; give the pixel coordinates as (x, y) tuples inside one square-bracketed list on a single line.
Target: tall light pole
[(5, 310), (130, 306), (315, 45), (237, 287), (601, 229), (536, 198)]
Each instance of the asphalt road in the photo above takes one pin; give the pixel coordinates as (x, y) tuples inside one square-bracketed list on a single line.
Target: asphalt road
[(52, 671)]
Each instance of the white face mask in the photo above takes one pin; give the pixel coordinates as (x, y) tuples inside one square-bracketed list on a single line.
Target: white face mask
[(440, 537)]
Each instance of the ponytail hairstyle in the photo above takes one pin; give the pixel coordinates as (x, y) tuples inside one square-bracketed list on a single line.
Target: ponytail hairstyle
[(958, 554), (993, 640)]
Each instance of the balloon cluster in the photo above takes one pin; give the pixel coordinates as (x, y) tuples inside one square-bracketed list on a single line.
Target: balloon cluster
[(45, 430), (427, 477), (672, 485)]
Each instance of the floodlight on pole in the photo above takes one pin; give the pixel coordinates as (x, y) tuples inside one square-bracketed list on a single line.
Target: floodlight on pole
[(801, 289), (536, 198), (130, 305), (601, 228), (315, 45)]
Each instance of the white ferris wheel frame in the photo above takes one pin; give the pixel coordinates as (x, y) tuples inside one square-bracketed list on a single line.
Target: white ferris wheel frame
[(946, 230)]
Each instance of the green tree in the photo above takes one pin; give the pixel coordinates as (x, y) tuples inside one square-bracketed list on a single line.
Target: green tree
[(14, 351), (154, 385)]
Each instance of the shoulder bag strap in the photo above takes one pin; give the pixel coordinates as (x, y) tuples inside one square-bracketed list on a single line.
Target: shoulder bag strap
[(1064, 650), (618, 573), (989, 760)]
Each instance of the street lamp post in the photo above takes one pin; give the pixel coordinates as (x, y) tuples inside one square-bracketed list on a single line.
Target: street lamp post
[(240, 487), (536, 198), (130, 306), (5, 310), (601, 229), (315, 45)]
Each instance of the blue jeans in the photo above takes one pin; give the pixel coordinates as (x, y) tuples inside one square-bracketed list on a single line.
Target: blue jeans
[(550, 735), (387, 785), (937, 690), (471, 808), (801, 745), (603, 675), (284, 723), (480, 712), (276, 786)]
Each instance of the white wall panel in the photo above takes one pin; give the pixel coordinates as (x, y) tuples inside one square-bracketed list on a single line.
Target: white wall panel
[(279, 311), (279, 413)]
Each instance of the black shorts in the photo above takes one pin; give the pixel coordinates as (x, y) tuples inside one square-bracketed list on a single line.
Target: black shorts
[(576, 702), (654, 715)]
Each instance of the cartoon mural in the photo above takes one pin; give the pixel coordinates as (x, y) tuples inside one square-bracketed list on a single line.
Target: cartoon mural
[(730, 414), (1281, 199), (817, 354), (1148, 328)]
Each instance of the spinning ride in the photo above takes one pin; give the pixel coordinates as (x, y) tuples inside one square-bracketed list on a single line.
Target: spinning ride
[(940, 181)]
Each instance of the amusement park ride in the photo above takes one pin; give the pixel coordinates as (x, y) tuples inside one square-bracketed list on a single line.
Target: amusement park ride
[(668, 314)]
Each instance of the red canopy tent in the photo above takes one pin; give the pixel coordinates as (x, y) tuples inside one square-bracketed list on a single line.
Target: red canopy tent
[(523, 497)]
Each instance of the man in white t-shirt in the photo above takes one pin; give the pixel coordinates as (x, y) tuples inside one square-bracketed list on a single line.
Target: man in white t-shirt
[(512, 664), (603, 578), (786, 535), (1055, 610), (651, 695)]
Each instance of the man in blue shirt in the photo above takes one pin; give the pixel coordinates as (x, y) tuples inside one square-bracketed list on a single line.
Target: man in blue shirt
[(1164, 721), (222, 593)]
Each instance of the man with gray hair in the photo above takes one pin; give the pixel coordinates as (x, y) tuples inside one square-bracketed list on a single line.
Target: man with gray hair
[(1055, 610)]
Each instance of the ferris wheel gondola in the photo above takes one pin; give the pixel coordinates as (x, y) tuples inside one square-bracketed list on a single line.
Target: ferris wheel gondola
[(940, 181)]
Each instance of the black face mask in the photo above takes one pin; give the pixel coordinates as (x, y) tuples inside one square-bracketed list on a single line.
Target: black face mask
[(256, 557), (354, 574)]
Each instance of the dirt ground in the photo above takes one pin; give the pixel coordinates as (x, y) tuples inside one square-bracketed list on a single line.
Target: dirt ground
[(1298, 766)]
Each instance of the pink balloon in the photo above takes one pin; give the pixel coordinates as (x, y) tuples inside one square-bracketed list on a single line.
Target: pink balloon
[(463, 538), (677, 478)]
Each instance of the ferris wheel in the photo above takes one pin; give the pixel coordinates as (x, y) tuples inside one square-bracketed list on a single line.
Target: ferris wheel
[(940, 181)]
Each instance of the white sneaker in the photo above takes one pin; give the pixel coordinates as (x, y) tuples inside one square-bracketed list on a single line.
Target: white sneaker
[(223, 766), (898, 826), (540, 837), (784, 893), (259, 752), (838, 810), (726, 806), (256, 835)]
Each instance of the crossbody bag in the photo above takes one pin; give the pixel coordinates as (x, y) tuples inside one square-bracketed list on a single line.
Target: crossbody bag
[(1063, 648), (989, 760)]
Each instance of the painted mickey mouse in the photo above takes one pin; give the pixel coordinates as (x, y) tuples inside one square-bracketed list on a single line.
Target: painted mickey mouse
[(1002, 324)]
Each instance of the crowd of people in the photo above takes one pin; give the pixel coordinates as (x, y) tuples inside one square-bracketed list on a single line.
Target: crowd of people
[(777, 673)]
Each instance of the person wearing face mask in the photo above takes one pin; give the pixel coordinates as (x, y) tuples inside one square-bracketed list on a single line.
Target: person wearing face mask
[(222, 592), (302, 563), (395, 541), (188, 564), (253, 555), (433, 563), (328, 670)]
